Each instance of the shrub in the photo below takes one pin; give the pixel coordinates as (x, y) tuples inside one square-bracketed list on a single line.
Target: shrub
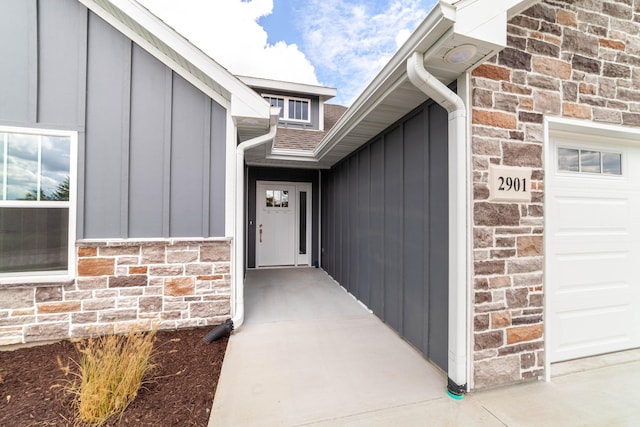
[(111, 370)]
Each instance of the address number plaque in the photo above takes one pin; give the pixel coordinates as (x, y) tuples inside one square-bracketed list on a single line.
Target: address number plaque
[(509, 184)]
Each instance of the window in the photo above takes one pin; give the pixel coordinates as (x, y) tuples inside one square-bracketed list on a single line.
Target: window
[(276, 102), (589, 161), (36, 216), (295, 109), (277, 199)]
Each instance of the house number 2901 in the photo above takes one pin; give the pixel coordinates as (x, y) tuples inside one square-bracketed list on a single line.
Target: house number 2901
[(509, 183)]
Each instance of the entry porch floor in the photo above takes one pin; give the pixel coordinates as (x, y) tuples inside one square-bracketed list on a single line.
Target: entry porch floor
[(310, 354)]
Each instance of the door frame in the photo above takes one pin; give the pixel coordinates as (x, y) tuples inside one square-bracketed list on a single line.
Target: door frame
[(299, 259)]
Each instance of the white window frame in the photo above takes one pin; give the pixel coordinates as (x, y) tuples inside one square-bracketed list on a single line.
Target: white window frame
[(285, 113), (68, 273)]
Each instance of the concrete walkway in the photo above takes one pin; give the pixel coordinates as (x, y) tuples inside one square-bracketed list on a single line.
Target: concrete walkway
[(310, 355)]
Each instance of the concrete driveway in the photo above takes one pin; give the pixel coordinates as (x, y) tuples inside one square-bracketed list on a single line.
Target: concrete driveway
[(310, 354)]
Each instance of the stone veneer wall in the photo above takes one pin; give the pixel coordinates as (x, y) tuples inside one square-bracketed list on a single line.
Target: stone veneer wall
[(122, 285), (577, 59)]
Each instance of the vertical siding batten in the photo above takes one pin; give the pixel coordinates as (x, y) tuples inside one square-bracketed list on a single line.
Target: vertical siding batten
[(206, 166), (82, 85), (32, 69), (125, 167), (166, 153)]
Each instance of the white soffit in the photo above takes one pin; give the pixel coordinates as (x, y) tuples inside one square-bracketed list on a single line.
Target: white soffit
[(322, 92)]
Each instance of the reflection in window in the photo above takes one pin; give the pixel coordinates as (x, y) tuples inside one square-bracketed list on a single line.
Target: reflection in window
[(298, 109), (612, 163), (34, 167), (277, 199), (589, 161), (295, 109), (568, 159)]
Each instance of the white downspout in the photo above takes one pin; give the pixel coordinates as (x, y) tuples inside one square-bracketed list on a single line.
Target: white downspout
[(458, 323), (238, 291)]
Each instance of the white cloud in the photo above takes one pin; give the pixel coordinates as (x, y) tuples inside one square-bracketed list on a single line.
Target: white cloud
[(228, 31), (344, 45), (350, 41), (402, 37)]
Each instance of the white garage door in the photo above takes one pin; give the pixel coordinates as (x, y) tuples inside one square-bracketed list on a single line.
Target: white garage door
[(593, 247)]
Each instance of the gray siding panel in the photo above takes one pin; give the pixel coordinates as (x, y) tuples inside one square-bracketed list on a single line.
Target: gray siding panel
[(148, 166), (189, 130), (415, 243), (362, 228), (18, 50), (108, 83), (62, 50), (218, 170), (385, 232), (438, 237), (150, 95), (393, 229), (376, 231)]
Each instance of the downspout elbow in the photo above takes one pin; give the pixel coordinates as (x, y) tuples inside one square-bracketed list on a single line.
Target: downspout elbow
[(431, 86)]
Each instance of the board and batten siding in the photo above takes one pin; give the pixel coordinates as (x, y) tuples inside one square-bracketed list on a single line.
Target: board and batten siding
[(385, 228), (151, 146)]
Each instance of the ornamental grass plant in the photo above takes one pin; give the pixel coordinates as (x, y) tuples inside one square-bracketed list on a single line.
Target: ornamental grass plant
[(112, 369)]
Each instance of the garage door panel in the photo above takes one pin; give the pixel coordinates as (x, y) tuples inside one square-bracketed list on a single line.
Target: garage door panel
[(592, 296), (589, 331), (604, 214), (591, 268), (593, 257)]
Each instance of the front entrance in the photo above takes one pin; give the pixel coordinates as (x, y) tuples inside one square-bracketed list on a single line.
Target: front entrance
[(283, 224)]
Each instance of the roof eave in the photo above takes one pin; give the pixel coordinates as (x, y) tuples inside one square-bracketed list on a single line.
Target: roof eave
[(449, 24), (435, 25)]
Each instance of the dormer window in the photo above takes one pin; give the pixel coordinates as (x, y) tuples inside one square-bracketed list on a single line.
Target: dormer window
[(293, 109)]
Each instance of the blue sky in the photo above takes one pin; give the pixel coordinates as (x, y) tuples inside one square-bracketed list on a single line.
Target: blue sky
[(335, 43)]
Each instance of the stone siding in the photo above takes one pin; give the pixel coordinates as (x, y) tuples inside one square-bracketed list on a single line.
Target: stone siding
[(122, 285), (577, 59)]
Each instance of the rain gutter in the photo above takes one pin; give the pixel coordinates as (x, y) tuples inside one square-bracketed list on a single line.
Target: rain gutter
[(238, 290), (458, 322)]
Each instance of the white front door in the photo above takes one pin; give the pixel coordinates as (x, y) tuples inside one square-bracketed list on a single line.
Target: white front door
[(283, 218), (593, 247)]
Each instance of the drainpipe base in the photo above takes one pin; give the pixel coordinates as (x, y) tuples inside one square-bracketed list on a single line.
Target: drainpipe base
[(220, 331), (454, 390)]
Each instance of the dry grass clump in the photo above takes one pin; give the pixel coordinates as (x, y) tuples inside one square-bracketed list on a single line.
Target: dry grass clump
[(111, 370)]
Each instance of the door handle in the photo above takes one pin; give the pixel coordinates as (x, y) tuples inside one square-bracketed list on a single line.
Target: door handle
[(260, 233)]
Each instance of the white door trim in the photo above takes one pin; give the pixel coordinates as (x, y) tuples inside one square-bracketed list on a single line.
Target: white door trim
[(299, 259)]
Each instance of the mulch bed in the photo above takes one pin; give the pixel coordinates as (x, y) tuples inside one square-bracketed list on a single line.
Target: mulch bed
[(179, 392)]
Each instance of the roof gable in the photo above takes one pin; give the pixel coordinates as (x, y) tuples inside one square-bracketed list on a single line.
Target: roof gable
[(152, 34)]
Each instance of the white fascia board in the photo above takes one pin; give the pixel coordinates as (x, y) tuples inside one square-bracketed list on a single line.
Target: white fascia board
[(322, 91), (228, 91), (487, 19), (437, 23)]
